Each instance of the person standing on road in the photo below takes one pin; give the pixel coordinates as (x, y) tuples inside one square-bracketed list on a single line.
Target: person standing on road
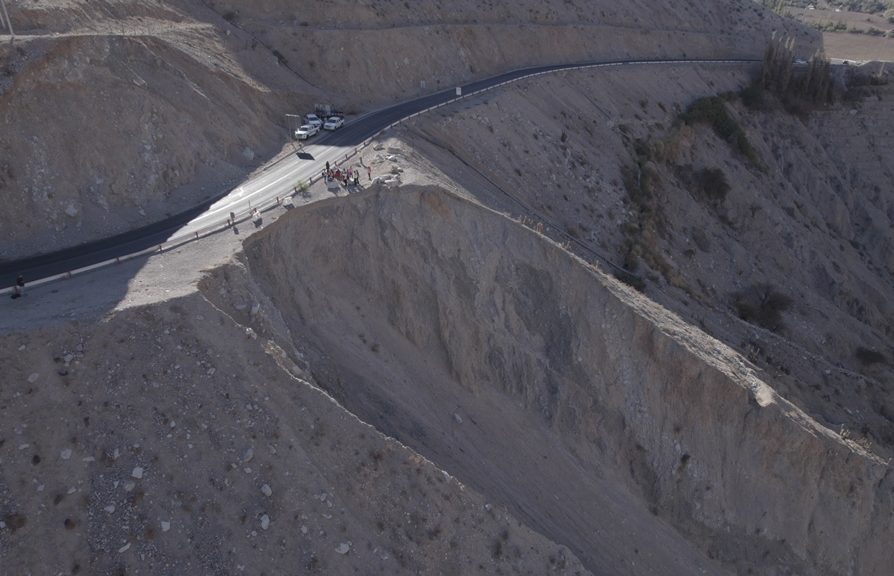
[(19, 288), (369, 173)]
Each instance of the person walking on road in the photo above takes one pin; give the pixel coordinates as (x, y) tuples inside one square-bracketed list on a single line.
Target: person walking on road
[(369, 173)]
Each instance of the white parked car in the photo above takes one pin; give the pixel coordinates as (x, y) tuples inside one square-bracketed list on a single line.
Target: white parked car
[(313, 120), (334, 123), (306, 131)]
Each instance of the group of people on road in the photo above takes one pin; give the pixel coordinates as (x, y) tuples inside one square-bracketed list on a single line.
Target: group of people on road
[(346, 177)]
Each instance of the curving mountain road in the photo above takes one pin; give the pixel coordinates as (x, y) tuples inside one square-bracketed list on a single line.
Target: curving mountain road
[(281, 177)]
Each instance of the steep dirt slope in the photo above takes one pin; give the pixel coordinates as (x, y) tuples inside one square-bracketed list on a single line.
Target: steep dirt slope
[(171, 439), (373, 51), (120, 132), (604, 421), (786, 257)]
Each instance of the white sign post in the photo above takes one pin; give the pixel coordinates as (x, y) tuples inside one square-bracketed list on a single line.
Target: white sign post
[(459, 91)]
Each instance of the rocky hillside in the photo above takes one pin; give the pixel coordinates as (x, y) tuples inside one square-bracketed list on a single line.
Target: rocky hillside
[(779, 244), (404, 382), (116, 114), (592, 413), (628, 320), (368, 51), (176, 439)]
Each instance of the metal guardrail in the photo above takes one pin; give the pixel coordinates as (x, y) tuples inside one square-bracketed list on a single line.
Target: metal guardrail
[(245, 216)]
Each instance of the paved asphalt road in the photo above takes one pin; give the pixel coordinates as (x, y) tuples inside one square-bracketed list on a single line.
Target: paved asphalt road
[(278, 179)]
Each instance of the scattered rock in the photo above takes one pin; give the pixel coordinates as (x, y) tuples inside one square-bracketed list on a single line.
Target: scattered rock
[(65, 454), (457, 418), (267, 490), (343, 548), (110, 508), (124, 548), (165, 526), (33, 378), (129, 486), (249, 454), (137, 472), (265, 522), (15, 521)]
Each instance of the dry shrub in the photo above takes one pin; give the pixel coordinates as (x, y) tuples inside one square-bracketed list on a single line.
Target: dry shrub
[(713, 112), (762, 305), (867, 356), (707, 184)]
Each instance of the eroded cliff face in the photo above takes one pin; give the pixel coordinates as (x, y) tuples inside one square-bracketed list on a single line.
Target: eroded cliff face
[(599, 417)]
